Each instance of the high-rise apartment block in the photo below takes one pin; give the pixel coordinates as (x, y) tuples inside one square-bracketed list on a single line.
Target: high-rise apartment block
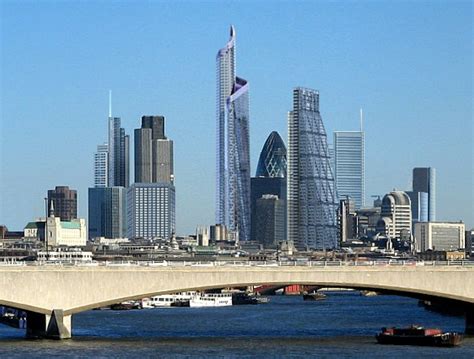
[(349, 165), (101, 166), (119, 153), (312, 206), (151, 210), (107, 212), (233, 154), (64, 202), (424, 180)]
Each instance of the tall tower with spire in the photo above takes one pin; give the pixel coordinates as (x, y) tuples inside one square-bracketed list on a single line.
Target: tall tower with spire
[(232, 144)]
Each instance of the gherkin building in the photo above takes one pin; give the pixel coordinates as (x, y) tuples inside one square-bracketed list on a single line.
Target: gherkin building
[(272, 161)]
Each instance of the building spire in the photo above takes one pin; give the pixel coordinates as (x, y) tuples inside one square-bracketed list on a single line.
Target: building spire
[(51, 209), (361, 121), (110, 103), (232, 31)]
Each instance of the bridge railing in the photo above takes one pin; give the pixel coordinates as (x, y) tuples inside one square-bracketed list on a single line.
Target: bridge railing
[(269, 264)]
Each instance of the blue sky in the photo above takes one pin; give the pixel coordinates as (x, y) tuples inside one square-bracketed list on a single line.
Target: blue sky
[(408, 64)]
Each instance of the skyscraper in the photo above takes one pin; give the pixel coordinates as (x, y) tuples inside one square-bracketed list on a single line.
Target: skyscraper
[(153, 152), (424, 180), (233, 154), (349, 165), (270, 179), (419, 206), (107, 212), (64, 202), (101, 164), (312, 205), (118, 154)]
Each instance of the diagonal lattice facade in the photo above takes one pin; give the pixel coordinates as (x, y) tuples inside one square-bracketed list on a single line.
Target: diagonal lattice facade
[(312, 202), (233, 154)]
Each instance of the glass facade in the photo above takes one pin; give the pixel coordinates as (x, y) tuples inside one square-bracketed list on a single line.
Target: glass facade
[(312, 205), (424, 180), (232, 147), (272, 160), (107, 212), (101, 166), (118, 163), (349, 166)]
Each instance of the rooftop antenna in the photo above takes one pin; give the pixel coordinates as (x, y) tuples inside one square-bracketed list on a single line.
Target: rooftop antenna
[(110, 103), (361, 121)]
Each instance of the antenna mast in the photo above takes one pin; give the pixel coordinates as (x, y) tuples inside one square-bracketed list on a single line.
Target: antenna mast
[(361, 121), (110, 103)]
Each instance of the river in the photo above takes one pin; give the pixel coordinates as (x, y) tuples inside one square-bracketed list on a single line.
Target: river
[(341, 326)]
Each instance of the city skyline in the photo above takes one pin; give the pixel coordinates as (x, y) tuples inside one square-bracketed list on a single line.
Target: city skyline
[(73, 154)]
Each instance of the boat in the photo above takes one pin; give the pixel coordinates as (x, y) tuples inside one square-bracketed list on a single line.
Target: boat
[(418, 335), (180, 303), (124, 306), (242, 298), (314, 296), (211, 300), (167, 300)]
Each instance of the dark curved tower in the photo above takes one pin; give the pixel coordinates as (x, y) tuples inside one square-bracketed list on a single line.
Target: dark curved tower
[(272, 161)]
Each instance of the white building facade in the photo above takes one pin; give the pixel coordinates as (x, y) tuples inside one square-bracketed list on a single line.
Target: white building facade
[(151, 210), (439, 236), (395, 215)]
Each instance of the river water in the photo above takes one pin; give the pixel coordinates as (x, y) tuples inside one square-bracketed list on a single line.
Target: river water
[(341, 326)]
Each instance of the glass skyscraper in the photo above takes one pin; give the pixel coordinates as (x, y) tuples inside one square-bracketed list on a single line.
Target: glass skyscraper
[(424, 180), (101, 164), (107, 212), (232, 152), (349, 166), (119, 151), (270, 179), (312, 205)]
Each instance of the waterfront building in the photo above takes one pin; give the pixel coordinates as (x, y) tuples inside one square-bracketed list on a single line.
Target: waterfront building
[(202, 236), (311, 200), (232, 152), (396, 220), (270, 178), (424, 180), (64, 202), (107, 212), (218, 233), (270, 220), (101, 165), (119, 149), (439, 236), (153, 152), (65, 233), (367, 219), (349, 165), (419, 206), (151, 210), (470, 242)]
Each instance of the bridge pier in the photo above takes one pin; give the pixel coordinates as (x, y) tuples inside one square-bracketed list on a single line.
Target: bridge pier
[(469, 320), (54, 326)]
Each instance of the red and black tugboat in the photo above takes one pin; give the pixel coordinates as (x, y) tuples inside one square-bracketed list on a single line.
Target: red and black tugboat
[(417, 335)]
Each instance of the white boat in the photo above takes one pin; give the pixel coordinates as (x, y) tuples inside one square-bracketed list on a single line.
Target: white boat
[(166, 300), (210, 300)]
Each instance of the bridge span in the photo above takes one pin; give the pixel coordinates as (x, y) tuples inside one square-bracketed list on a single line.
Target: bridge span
[(51, 294)]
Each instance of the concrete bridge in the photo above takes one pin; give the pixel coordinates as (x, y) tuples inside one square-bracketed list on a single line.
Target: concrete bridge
[(51, 294)]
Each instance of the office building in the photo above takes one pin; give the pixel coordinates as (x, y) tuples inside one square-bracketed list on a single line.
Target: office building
[(101, 166), (395, 221), (347, 220), (64, 202), (163, 167), (232, 152), (270, 219), (153, 152), (349, 165), (424, 180), (311, 200), (419, 206), (270, 178), (151, 210), (439, 236), (107, 212), (119, 153)]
